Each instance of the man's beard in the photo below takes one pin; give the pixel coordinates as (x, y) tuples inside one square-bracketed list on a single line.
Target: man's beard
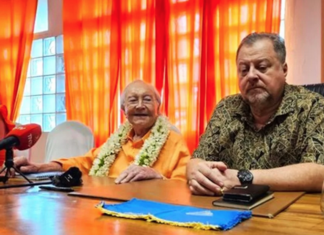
[(255, 98)]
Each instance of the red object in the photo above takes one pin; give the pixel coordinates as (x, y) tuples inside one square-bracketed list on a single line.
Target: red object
[(4, 114), (27, 135)]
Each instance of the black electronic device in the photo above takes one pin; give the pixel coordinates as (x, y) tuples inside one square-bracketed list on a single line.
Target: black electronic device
[(56, 188)]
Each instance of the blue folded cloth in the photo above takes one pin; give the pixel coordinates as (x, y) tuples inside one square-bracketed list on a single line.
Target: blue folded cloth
[(186, 216)]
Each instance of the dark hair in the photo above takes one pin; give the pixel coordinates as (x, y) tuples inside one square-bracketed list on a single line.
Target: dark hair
[(277, 42)]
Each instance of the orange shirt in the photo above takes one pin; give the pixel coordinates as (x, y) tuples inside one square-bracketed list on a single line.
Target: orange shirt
[(171, 162)]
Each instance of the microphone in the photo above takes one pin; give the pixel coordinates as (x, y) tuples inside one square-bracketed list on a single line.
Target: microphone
[(22, 137)]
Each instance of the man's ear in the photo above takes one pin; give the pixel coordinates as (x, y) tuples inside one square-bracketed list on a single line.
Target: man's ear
[(122, 107), (285, 69)]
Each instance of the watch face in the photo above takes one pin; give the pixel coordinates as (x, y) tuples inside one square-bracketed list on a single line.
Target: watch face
[(245, 176)]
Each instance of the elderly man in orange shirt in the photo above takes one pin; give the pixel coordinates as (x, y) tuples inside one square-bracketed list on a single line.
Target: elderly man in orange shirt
[(144, 147)]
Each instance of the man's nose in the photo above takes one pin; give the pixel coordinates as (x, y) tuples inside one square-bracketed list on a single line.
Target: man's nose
[(140, 104), (252, 74)]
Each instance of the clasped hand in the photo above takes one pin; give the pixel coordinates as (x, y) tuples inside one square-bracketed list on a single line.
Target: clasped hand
[(210, 178), (136, 173)]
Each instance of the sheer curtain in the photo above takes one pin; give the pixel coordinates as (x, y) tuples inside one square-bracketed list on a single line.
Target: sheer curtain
[(92, 63), (186, 48), (17, 19), (203, 36)]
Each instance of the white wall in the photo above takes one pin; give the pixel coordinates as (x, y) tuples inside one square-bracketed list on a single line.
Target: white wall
[(303, 41)]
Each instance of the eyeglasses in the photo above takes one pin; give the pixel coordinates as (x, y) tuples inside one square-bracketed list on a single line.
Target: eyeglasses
[(136, 102)]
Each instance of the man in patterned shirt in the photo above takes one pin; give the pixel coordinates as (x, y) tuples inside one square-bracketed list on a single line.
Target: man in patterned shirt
[(271, 133)]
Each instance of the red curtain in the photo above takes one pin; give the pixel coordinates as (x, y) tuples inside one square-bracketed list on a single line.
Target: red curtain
[(17, 19), (92, 62), (186, 48)]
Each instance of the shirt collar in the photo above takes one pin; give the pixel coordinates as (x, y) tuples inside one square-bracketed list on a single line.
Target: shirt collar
[(140, 141), (286, 106)]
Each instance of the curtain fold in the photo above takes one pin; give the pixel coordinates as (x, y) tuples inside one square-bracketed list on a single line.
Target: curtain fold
[(185, 48), (17, 18), (92, 62)]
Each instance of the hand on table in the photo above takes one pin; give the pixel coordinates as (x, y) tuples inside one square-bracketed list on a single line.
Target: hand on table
[(210, 178), (136, 173)]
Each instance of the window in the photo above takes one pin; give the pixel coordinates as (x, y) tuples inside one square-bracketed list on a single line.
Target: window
[(44, 95), (282, 19)]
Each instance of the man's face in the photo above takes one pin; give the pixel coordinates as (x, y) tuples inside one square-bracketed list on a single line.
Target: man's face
[(140, 105), (261, 75)]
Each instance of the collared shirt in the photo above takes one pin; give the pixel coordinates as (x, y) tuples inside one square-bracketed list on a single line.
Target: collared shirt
[(171, 162), (293, 135)]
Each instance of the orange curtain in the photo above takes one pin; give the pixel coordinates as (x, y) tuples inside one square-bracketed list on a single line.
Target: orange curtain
[(92, 63), (203, 36), (186, 48), (17, 18), (137, 28)]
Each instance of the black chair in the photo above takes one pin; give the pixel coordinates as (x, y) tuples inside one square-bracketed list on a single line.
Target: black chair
[(318, 87)]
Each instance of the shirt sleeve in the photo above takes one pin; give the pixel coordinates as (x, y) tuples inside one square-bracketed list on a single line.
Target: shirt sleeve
[(173, 158), (182, 155), (209, 141), (313, 146)]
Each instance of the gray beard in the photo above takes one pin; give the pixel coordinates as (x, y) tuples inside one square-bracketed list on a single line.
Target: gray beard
[(258, 99)]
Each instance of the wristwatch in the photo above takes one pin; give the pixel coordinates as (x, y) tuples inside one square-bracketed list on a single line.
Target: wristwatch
[(245, 176)]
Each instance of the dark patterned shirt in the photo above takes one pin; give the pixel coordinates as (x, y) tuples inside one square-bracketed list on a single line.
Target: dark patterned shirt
[(294, 134)]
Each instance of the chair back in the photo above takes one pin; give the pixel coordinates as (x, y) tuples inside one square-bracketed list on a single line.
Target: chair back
[(174, 128), (318, 87), (68, 139)]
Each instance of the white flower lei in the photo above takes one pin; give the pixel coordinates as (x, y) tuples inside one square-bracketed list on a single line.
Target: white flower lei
[(147, 155)]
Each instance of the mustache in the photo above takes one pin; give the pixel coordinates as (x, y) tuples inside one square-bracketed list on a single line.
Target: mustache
[(140, 114), (255, 87)]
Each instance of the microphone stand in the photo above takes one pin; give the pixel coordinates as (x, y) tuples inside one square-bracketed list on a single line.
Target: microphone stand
[(9, 163)]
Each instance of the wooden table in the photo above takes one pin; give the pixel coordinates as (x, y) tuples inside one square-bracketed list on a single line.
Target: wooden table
[(32, 211)]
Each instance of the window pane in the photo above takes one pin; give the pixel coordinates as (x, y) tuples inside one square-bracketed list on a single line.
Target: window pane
[(60, 117), (25, 105), (60, 83), (41, 23), (36, 104), (49, 103), (27, 87), (59, 44), (49, 84), (36, 67), (36, 85), (60, 103), (24, 119), (44, 96), (28, 70), (49, 46), (60, 64), (49, 65), (36, 118), (49, 122), (37, 48)]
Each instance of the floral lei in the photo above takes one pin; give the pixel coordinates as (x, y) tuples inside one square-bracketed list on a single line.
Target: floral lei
[(146, 156)]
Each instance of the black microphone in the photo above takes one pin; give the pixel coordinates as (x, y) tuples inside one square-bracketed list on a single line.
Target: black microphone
[(70, 178)]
